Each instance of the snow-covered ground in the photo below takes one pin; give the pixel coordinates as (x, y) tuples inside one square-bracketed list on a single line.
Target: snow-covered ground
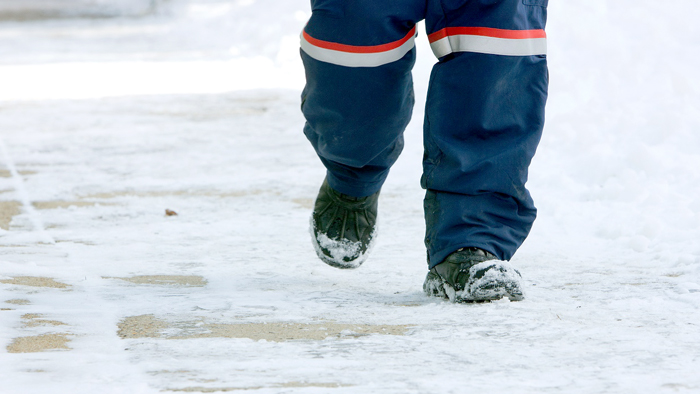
[(106, 123), (22, 10)]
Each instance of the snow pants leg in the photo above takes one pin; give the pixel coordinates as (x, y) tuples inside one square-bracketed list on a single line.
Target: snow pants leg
[(484, 113), (358, 97)]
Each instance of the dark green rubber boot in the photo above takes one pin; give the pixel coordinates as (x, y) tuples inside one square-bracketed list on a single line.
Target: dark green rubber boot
[(343, 228), (473, 275)]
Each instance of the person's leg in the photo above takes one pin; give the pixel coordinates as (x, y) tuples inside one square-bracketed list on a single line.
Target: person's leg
[(358, 97), (357, 102), (484, 118)]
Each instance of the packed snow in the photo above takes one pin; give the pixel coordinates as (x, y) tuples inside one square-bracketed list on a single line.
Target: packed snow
[(107, 122)]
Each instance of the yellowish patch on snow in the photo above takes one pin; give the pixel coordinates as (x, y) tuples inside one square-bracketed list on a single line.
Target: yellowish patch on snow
[(148, 326), (39, 343), (164, 280), (35, 281)]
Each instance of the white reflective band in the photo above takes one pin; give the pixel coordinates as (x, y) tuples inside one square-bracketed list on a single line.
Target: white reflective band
[(489, 45), (345, 55)]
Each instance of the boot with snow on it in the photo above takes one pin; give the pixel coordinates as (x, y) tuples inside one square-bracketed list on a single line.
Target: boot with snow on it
[(343, 227), (473, 275)]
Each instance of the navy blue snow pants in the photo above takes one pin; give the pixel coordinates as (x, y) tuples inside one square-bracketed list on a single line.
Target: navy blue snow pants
[(483, 119)]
